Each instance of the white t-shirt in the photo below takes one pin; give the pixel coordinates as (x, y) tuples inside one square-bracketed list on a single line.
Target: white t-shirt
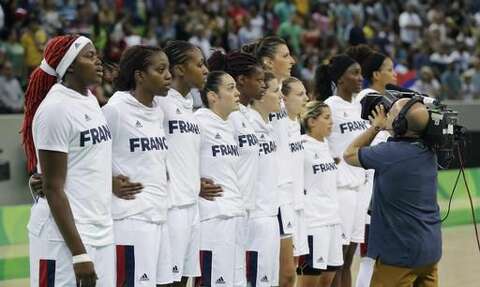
[(321, 204), (296, 150), (267, 179), (219, 158), (347, 125), (247, 141), (183, 135), (139, 151), (407, 34), (71, 123), (279, 123)]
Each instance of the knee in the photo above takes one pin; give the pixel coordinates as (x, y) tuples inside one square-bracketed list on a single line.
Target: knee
[(287, 278)]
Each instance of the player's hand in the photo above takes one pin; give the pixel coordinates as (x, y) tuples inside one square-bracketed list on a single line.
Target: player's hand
[(124, 189), (378, 118), (337, 160), (85, 274), (209, 190), (36, 183)]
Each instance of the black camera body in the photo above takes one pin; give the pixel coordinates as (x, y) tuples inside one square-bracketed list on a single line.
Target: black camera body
[(442, 132)]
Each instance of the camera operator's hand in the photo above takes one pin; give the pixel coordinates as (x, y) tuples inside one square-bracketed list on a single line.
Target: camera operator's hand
[(378, 118)]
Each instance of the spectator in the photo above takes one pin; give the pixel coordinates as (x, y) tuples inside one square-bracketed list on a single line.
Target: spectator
[(426, 83), (15, 52), (476, 77), (410, 25), (451, 83), (468, 89), (33, 40), (284, 9), (11, 93), (357, 36), (248, 33), (292, 32), (200, 39)]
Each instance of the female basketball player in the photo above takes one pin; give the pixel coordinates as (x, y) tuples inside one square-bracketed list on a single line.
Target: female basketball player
[(295, 97), (249, 77), (71, 229), (344, 73), (188, 70), (263, 243), (221, 220), (139, 151), (275, 57), (321, 204)]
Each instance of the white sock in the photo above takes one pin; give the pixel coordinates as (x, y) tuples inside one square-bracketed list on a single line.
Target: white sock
[(365, 272)]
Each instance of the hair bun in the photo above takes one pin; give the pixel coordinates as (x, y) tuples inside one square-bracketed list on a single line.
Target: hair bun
[(217, 61)]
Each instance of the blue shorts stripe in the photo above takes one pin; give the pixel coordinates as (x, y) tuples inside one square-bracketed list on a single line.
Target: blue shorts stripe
[(252, 268)]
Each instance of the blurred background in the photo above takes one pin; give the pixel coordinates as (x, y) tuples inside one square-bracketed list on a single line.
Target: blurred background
[(434, 44)]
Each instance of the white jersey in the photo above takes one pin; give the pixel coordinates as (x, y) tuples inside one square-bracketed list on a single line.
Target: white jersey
[(183, 134), (71, 123), (267, 179), (279, 123), (296, 150), (219, 161), (347, 125), (247, 141), (321, 203), (139, 151)]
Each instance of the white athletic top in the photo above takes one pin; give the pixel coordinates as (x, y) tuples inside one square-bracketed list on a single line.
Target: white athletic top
[(296, 150), (247, 141), (219, 158), (347, 125), (71, 123), (321, 204), (267, 179), (139, 151), (183, 135), (279, 123)]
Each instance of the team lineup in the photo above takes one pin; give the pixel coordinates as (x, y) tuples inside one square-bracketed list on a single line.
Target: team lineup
[(252, 189)]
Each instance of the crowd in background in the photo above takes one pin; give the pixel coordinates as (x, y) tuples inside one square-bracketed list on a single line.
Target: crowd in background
[(434, 43)]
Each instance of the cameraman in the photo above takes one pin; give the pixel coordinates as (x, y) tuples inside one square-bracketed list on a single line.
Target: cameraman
[(405, 225)]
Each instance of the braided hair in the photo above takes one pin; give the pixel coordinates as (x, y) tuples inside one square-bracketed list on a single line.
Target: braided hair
[(235, 63), (38, 86), (134, 58), (177, 52)]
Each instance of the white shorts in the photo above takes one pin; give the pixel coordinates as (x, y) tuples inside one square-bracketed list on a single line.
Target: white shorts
[(218, 248), (286, 220), (263, 251), (184, 229), (325, 248), (51, 263), (352, 213), (300, 243), (143, 253), (240, 253)]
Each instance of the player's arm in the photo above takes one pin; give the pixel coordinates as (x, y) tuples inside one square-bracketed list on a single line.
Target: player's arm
[(378, 121), (54, 170)]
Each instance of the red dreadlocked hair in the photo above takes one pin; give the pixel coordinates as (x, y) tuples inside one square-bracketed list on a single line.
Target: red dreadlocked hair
[(38, 86)]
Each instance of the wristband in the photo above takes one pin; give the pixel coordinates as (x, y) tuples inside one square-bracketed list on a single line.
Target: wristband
[(81, 258)]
